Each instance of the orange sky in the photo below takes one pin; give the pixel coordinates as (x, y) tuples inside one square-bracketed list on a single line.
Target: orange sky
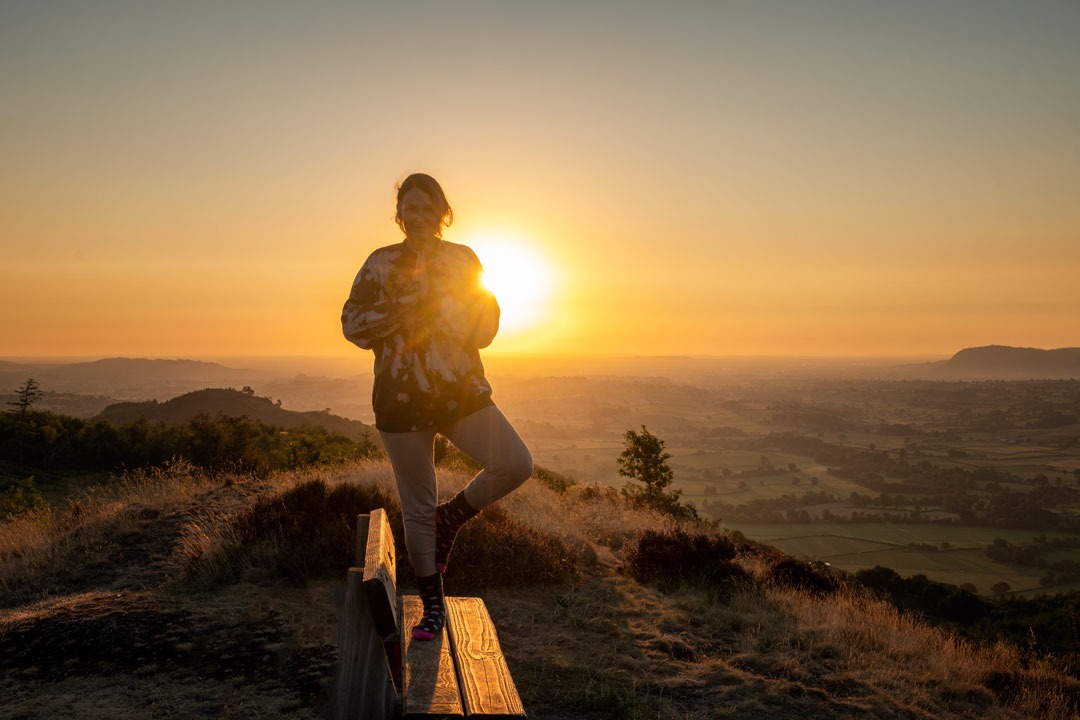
[(809, 178)]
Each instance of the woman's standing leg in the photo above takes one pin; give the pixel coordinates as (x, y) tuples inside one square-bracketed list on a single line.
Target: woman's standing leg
[(488, 438), (414, 470)]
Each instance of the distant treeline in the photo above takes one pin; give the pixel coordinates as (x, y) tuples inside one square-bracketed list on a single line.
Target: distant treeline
[(215, 444), (1034, 554)]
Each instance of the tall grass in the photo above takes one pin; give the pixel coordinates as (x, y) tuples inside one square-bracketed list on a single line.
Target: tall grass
[(36, 543), (867, 642)]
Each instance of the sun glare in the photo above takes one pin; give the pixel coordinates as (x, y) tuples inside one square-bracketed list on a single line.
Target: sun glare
[(519, 278)]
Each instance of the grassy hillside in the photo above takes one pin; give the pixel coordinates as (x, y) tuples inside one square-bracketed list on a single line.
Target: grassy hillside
[(176, 594)]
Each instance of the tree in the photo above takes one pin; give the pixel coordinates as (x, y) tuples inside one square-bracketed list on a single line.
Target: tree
[(645, 460), (28, 394), (1000, 588)]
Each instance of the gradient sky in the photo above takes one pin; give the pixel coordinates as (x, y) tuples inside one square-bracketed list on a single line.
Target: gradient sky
[(203, 179)]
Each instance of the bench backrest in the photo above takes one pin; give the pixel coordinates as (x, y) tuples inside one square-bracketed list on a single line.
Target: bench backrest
[(369, 672), (379, 560)]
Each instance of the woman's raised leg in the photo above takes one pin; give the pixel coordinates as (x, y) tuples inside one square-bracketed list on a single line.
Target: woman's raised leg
[(489, 439)]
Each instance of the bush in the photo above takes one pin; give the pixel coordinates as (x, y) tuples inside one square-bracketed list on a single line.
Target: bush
[(20, 496), (671, 558), (449, 456), (791, 573), (494, 550), (556, 482), (307, 532)]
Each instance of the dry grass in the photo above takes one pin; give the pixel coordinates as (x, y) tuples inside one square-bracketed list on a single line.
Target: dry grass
[(35, 545), (919, 665), (26, 534), (587, 642), (869, 658)]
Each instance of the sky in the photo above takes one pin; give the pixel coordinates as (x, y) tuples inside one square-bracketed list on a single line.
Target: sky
[(811, 178)]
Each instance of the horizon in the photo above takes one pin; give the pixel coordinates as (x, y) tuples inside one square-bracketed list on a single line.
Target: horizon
[(790, 180), (684, 368), (592, 359)]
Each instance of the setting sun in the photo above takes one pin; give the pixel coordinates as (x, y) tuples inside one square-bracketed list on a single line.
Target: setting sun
[(519, 278)]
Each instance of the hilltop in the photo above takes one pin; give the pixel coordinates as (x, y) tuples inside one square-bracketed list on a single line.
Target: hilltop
[(1005, 363), (233, 403), (84, 389), (185, 595), (1001, 360)]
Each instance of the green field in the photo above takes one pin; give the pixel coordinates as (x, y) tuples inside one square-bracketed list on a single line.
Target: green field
[(853, 547)]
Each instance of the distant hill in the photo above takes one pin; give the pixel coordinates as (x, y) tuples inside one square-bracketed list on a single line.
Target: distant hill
[(998, 362), (126, 378), (232, 403), (1014, 362)]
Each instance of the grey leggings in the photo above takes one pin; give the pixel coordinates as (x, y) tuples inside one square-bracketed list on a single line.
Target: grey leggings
[(488, 438)]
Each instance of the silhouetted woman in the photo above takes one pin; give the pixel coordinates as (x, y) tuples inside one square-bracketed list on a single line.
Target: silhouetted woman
[(420, 307)]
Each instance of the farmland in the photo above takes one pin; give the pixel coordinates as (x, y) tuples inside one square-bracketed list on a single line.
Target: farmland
[(948, 553), (918, 476)]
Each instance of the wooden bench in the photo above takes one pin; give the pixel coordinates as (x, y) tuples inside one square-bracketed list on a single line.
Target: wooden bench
[(384, 673)]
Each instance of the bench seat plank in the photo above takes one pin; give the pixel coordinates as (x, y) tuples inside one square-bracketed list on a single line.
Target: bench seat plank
[(429, 686), (487, 689)]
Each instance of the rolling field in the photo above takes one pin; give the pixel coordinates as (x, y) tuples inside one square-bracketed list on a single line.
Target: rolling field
[(950, 426), (597, 461), (958, 536)]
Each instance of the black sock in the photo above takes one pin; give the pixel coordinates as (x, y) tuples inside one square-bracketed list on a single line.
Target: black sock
[(431, 595), (449, 517)]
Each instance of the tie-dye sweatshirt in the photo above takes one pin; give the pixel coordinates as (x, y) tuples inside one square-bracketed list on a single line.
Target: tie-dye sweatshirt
[(425, 315)]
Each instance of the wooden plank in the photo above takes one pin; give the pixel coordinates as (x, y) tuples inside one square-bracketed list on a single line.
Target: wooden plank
[(429, 685), (363, 687), (363, 522), (380, 574), (487, 690)]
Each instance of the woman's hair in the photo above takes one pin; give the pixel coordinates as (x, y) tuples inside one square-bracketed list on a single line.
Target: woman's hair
[(430, 186)]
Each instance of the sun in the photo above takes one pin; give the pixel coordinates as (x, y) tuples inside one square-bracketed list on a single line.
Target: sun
[(519, 278)]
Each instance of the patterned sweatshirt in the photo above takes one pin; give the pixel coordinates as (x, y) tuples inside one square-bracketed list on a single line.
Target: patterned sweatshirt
[(425, 315)]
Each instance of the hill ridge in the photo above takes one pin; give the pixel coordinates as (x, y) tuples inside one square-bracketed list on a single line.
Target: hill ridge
[(233, 403), (1008, 360)]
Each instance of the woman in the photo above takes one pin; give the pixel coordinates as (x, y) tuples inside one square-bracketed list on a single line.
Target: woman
[(420, 306)]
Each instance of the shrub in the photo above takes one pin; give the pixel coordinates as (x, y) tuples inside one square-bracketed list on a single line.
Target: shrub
[(593, 492), (495, 550), (671, 558), (20, 496), (306, 532), (556, 482), (791, 573), (447, 455)]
